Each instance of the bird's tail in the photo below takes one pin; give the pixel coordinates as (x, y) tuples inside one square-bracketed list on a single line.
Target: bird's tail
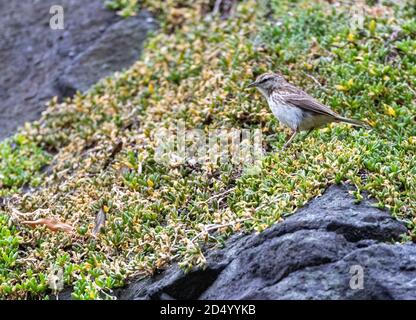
[(354, 122)]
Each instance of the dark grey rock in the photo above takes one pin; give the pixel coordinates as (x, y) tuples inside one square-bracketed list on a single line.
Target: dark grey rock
[(389, 273), (308, 256), (38, 63)]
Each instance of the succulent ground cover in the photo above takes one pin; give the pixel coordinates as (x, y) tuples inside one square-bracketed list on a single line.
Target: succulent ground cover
[(90, 165)]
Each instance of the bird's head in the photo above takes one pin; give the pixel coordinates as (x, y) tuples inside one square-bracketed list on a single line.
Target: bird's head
[(268, 81)]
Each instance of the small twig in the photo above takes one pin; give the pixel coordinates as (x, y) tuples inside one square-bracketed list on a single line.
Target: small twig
[(218, 226), (267, 203), (26, 260), (410, 88), (313, 78), (103, 292), (115, 150), (219, 195), (17, 215), (213, 54)]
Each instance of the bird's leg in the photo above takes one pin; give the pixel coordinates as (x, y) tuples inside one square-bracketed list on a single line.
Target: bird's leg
[(307, 133), (288, 142)]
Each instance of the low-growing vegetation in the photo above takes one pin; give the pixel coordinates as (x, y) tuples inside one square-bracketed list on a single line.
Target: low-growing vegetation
[(21, 164), (132, 214)]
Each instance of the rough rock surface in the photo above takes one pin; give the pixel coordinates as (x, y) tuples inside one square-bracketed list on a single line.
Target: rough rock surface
[(38, 63), (308, 256)]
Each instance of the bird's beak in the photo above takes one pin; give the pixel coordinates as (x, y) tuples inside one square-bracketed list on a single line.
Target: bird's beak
[(252, 85)]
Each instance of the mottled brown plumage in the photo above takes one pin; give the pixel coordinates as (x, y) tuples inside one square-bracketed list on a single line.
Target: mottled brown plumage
[(295, 108)]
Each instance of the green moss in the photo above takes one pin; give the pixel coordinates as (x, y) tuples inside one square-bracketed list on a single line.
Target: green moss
[(20, 164)]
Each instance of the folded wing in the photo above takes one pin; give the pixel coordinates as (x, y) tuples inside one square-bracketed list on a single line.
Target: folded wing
[(308, 103)]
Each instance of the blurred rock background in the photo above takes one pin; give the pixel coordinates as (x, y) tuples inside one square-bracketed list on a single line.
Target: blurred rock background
[(38, 63)]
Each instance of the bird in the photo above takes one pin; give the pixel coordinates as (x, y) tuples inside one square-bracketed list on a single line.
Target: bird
[(294, 108)]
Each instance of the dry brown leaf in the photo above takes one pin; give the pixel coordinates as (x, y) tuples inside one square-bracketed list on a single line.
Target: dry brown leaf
[(52, 224), (99, 222)]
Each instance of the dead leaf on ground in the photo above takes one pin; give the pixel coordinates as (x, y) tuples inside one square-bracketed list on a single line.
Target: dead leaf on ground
[(52, 224), (99, 222)]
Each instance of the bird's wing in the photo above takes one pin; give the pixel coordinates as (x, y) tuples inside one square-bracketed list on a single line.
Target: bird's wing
[(304, 101), (309, 104)]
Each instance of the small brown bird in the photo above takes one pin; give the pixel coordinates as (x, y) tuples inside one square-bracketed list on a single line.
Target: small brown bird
[(294, 108)]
